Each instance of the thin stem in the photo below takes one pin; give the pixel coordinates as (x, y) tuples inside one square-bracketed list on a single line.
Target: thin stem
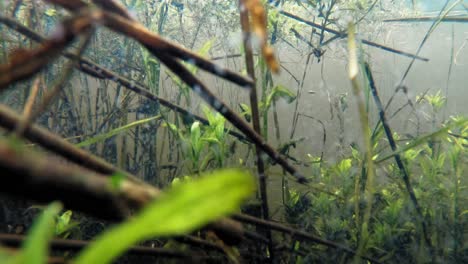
[(244, 19)]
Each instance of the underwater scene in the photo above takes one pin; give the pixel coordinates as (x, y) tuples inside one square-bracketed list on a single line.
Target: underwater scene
[(233, 131)]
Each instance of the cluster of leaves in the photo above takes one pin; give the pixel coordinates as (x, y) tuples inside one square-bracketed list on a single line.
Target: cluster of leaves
[(203, 144), (436, 166)]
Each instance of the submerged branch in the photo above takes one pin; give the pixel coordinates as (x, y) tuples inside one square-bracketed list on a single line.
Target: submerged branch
[(401, 166), (249, 62), (344, 35), (45, 179)]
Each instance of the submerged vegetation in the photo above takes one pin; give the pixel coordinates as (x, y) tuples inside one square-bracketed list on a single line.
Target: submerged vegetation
[(215, 131)]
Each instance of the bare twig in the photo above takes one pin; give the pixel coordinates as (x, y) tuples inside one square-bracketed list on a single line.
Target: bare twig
[(344, 35), (28, 107), (404, 172), (246, 31)]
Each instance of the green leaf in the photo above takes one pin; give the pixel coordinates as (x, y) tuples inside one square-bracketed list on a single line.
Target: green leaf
[(63, 223), (35, 248), (116, 131), (246, 112), (182, 209), (277, 92)]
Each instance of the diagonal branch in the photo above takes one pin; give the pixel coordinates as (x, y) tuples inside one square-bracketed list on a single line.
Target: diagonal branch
[(344, 35), (249, 61), (401, 166)]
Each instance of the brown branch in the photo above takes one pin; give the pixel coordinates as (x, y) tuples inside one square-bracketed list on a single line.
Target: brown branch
[(9, 120), (344, 35), (249, 62), (45, 179), (27, 111)]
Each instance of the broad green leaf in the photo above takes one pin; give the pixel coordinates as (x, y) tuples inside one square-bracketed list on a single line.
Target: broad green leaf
[(63, 223), (116, 131), (35, 248), (277, 92), (182, 209), (195, 131)]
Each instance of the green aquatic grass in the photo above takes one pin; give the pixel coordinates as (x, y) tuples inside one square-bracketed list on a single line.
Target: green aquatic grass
[(116, 131)]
